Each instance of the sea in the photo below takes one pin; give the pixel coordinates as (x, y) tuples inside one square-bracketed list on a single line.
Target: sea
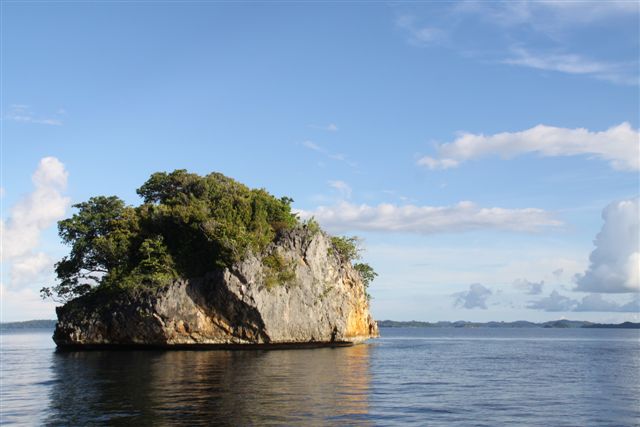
[(409, 376)]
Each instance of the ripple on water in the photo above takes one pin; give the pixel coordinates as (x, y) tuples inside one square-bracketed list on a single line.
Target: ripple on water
[(408, 377)]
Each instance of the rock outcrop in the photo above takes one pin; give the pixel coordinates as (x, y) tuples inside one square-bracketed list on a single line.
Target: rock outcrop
[(322, 300)]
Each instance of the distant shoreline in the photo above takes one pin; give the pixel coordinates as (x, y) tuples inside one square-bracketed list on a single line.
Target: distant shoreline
[(49, 324), (561, 324), (29, 324)]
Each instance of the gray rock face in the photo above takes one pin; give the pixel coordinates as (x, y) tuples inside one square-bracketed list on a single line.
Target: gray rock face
[(322, 300)]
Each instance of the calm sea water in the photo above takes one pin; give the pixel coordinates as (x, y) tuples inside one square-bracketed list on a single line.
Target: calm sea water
[(485, 377)]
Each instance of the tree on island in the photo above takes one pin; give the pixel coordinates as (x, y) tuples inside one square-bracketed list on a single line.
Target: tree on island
[(186, 226)]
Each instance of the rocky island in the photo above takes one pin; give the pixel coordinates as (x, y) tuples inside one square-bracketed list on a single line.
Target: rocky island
[(206, 261)]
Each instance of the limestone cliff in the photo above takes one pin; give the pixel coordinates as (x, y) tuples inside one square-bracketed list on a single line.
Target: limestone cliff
[(322, 301)]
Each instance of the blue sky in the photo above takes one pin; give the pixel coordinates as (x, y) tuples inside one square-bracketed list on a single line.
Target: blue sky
[(478, 148)]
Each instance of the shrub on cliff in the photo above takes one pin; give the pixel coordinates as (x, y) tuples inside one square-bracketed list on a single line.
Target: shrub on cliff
[(348, 249)]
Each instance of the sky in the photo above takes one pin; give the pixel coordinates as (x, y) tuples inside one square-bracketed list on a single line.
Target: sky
[(487, 153)]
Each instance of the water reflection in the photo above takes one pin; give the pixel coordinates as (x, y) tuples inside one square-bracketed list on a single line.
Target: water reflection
[(292, 387)]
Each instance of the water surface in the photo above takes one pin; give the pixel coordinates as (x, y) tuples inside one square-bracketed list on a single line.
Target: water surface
[(420, 376)]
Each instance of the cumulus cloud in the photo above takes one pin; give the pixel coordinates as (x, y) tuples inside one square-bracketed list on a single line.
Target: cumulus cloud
[(30, 216), (614, 264), (589, 303), (30, 267), (37, 211), (595, 302), (554, 302), (618, 145), (632, 306), (531, 288), (465, 216), (475, 297)]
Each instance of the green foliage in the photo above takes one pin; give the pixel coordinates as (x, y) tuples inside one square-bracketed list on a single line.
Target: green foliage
[(367, 274), (186, 225), (346, 248), (312, 226), (277, 270), (100, 235)]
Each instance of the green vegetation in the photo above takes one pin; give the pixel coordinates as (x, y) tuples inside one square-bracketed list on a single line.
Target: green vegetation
[(277, 270), (312, 225), (187, 225), (348, 249), (366, 274)]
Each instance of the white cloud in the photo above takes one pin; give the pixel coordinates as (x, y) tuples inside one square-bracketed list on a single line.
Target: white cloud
[(531, 288), (595, 302), (37, 211), (331, 127), (432, 163), (557, 25), (23, 114), (589, 303), (431, 264), (24, 304), (334, 156), (29, 268), (475, 297), (29, 217), (632, 306), (615, 262), (554, 302), (574, 64), (547, 16), (312, 146), (586, 12), (465, 216), (619, 145), (420, 35), (342, 187)]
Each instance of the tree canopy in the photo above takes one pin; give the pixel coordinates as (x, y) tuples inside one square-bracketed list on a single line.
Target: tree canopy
[(186, 225)]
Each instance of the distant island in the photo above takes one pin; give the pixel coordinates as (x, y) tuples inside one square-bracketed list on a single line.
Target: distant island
[(517, 324), (28, 324), (51, 324)]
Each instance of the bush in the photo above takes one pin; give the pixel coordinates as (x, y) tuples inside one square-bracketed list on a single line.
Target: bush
[(367, 274), (312, 226), (277, 271), (346, 248)]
